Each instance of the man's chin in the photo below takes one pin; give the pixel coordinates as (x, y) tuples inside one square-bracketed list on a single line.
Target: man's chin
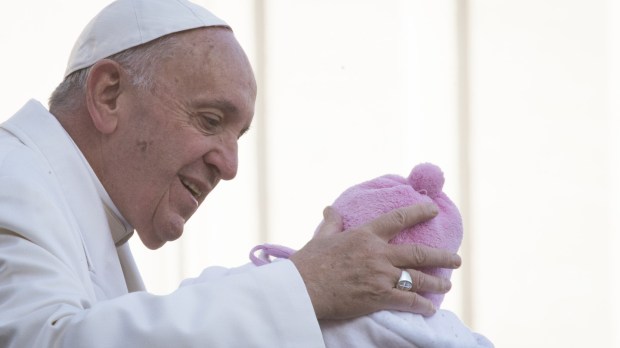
[(156, 238), (151, 243)]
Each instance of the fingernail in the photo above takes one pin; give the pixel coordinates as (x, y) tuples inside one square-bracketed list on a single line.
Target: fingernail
[(456, 260), (447, 285), (434, 210), (327, 211)]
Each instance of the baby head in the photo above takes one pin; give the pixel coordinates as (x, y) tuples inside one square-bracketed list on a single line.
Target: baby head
[(366, 201)]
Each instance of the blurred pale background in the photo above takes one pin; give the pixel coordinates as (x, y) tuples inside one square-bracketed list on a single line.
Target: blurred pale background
[(517, 100)]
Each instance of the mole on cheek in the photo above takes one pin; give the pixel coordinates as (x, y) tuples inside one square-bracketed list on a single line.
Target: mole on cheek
[(143, 145)]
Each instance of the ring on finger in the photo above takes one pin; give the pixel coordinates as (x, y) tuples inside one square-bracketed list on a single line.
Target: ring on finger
[(405, 282)]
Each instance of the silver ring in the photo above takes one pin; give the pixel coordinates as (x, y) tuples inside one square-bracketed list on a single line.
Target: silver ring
[(404, 282)]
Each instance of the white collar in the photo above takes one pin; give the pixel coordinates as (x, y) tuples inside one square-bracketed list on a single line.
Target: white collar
[(120, 228)]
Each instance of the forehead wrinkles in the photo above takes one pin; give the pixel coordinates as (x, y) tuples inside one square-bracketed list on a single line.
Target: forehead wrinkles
[(220, 51), (205, 62), (191, 45), (205, 44)]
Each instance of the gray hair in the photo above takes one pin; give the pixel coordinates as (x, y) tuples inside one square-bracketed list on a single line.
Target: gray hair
[(139, 61)]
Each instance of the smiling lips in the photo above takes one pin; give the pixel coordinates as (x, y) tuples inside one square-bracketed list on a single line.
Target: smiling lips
[(192, 188)]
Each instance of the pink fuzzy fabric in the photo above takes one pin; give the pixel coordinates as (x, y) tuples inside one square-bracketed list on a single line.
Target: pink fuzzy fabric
[(366, 201)]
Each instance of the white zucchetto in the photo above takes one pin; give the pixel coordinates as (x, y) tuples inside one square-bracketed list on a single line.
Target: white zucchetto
[(128, 23)]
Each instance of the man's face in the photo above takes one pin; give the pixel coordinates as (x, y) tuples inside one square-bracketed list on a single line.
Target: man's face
[(178, 140)]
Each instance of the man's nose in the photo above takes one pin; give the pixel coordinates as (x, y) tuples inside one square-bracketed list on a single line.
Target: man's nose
[(225, 157)]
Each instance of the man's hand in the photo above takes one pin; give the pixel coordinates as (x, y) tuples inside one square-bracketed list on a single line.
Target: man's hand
[(354, 273)]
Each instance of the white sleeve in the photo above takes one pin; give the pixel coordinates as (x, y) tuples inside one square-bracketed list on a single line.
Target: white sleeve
[(43, 305)]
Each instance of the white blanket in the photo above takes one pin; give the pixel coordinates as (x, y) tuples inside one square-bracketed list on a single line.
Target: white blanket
[(388, 329)]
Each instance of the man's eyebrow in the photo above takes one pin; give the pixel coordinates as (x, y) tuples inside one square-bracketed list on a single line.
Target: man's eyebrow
[(223, 105)]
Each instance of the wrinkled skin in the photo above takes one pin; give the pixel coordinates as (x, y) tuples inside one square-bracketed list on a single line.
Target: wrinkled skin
[(160, 152), (353, 274)]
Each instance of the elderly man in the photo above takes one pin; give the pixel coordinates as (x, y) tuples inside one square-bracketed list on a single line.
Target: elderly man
[(144, 125)]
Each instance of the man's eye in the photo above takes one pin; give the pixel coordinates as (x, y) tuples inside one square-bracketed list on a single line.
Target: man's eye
[(213, 121), (210, 123)]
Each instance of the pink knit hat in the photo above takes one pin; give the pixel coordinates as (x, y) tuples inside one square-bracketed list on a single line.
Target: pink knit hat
[(366, 201)]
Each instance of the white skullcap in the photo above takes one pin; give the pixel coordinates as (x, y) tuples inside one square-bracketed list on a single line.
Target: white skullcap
[(128, 23)]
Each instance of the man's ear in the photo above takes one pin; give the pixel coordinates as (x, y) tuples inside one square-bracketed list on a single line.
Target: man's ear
[(103, 88)]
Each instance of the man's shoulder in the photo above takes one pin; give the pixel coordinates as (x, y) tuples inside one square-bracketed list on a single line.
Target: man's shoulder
[(28, 189), (25, 178), (32, 203), (19, 161)]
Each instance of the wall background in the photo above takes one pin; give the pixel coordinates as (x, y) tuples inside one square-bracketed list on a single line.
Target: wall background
[(517, 101)]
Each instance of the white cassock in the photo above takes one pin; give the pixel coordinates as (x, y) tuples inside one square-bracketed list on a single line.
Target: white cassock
[(67, 277)]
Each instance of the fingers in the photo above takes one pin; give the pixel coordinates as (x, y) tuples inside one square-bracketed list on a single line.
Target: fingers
[(407, 301), (420, 256), (426, 283), (352, 274), (389, 224), (412, 301), (332, 223)]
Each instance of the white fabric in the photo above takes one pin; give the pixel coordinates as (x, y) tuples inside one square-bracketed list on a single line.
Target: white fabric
[(383, 329), (128, 23), (64, 283), (391, 329)]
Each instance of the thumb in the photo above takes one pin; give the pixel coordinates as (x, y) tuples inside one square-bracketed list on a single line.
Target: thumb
[(331, 224)]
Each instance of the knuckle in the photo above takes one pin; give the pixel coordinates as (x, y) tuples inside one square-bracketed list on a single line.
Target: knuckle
[(419, 254), (418, 304), (363, 234), (372, 251), (399, 217), (378, 292), (415, 302), (420, 282)]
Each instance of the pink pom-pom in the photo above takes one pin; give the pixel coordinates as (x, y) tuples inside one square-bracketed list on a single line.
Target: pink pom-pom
[(427, 178)]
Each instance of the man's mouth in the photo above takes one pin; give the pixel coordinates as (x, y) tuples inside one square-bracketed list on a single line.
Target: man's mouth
[(193, 189)]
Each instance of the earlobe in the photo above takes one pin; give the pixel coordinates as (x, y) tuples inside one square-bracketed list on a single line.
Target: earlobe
[(103, 88)]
